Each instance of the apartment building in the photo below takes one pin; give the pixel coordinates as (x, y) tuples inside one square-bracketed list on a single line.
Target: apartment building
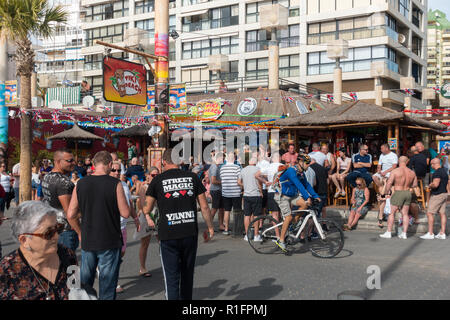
[(59, 60), (438, 72), (393, 31)]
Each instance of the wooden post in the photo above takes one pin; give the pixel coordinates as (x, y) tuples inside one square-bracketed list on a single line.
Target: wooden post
[(397, 137)]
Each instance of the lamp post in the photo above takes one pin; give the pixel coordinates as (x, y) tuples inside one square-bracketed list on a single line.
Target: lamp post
[(377, 70), (272, 18), (218, 63), (337, 50)]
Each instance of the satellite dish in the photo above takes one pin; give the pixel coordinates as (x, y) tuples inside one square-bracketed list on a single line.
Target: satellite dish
[(88, 101), (55, 104), (401, 38)]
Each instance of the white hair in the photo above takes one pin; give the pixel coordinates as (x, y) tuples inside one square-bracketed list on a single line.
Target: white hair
[(28, 216)]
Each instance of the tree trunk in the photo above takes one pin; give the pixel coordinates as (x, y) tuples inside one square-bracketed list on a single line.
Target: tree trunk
[(25, 140)]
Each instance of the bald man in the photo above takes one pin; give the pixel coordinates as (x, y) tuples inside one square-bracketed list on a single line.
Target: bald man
[(402, 179), (438, 200)]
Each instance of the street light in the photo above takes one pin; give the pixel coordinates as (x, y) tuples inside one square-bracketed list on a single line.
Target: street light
[(337, 50), (272, 18)]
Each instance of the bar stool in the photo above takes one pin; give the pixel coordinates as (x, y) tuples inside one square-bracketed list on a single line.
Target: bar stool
[(421, 197), (343, 198)]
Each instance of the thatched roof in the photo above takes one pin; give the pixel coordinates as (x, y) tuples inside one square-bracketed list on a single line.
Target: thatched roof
[(75, 133), (354, 113)]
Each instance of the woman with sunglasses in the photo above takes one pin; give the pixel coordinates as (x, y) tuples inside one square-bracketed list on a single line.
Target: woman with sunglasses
[(145, 240), (37, 270), (360, 204)]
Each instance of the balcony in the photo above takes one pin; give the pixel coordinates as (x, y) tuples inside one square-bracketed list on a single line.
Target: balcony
[(207, 24), (416, 21), (355, 34)]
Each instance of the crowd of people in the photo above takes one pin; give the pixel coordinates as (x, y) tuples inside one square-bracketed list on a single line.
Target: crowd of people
[(89, 203)]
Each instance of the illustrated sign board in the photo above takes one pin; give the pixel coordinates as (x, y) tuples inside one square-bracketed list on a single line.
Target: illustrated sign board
[(444, 144), (207, 110), (177, 100), (393, 143), (247, 107), (11, 93), (445, 90), (124, 82)]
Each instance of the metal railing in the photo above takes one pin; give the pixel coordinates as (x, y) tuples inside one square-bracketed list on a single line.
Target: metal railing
[(353, 34)]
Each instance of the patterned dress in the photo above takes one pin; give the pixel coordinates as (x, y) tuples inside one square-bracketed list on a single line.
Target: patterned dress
[(17, 281)]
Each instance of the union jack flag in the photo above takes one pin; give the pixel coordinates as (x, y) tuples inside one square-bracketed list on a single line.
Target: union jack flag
[(37, 116), (99, 119), (330, 97), (353, 96), (55, 118), (268, 100), (289, 99), (437, 89), (409, 91)]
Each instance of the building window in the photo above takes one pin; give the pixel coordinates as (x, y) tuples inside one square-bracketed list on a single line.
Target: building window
[(107, 11), (205, 48), (148, 25), (252, 9), (257, 68), (289, 66), (257, 40), (111, 34), (94, 61), (359, 59), (289, 37), (403, 7), (215, 18), (191, 2), (352, 29), (231, 75), (144, 6)]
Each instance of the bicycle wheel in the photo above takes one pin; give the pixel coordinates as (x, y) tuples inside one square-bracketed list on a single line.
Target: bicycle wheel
[(268, 233), (333, 242)]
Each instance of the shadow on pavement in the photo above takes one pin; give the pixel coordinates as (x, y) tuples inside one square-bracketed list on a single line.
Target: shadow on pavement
[(212, 291), (266, 289)]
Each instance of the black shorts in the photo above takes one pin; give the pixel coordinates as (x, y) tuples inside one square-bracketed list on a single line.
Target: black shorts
[(264, 199), (232, 203), (272, 205), (217, 200), (252, 206)]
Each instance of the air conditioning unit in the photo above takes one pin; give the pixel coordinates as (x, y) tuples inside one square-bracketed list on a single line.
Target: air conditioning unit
[(401, 38), (172, 5)]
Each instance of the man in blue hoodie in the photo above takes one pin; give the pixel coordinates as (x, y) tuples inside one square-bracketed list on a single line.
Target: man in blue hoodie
[(295, 191)]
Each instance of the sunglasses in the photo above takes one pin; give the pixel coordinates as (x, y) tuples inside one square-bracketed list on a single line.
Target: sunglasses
[(153, 175), (50, 233), (70, 160), (115, 170)]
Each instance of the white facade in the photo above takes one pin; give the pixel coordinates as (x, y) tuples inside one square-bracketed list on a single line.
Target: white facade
[(231, 27), (59, 58)]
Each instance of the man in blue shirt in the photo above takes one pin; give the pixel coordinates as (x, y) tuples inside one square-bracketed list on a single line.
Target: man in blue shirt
[(362, 162), (296, 191)]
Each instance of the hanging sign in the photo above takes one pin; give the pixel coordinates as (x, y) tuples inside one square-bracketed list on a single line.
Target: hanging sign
[(177, 99), (124, 82), (393, 145), (11, 93), (247, 107), (207, 110), (445, 90)]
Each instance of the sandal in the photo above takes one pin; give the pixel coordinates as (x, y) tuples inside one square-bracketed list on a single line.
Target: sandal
[(380, 223), (345, 227), (145, 274)]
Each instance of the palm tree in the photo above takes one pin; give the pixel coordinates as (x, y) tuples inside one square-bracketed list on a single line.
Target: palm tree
[(20, 19)]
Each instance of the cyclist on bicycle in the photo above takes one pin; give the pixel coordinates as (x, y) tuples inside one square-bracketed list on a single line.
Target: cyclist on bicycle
[(293, 189)]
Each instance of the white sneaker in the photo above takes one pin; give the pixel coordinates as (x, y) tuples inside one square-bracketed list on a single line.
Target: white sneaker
[(427, 236), (257, 238), (386, 235), (440, 236), (402, 236), (245, 238)]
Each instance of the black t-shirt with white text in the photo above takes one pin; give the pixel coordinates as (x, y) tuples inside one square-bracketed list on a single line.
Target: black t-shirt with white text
[(176, 194), (56, 184)]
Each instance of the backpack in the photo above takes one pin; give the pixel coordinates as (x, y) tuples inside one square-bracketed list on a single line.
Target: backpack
[(276, 185)]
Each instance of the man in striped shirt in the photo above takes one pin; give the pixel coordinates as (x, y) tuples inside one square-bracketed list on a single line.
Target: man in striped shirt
[(231, 188)]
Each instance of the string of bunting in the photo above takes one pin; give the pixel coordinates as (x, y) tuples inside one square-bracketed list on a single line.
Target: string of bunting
[(429, 111)]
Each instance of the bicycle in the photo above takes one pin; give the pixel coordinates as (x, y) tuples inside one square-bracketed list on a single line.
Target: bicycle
[(325, 237)]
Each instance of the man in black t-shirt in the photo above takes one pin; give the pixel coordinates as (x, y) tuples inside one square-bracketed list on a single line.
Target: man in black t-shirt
[(426, 154), (418, 163), (177, 193), (57, 190), (438, 200)]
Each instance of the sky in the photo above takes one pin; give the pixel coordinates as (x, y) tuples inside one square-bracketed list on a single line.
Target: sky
[(442, 5)]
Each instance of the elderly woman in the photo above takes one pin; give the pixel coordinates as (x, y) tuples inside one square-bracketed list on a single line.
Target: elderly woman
[(37, 270)]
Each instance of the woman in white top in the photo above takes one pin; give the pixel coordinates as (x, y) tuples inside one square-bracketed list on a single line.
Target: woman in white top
[(35, 180), (5, 179), (343, 167)]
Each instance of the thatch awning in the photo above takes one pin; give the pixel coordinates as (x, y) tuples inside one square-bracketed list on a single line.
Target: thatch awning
[(75, 133), (356, 113)]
